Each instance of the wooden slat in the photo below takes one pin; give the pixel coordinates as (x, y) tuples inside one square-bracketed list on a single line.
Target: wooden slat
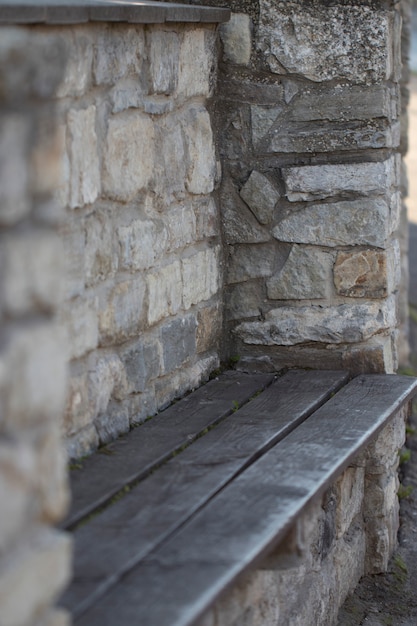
[(147, 446), (182, 578), (123, 534)]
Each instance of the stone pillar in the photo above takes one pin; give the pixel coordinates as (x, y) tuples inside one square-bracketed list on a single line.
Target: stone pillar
[(309, 131), (34, 557)]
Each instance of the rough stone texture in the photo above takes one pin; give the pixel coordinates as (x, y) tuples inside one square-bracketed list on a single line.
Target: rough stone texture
[(307, 577), (84, 181), (369, 273), (260, 196), (237, 39)]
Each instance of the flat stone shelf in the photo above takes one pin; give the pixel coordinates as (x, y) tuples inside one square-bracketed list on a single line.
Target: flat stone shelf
[(81, 11)]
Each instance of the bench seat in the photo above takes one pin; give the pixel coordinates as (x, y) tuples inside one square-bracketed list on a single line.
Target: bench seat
[(210, 486)]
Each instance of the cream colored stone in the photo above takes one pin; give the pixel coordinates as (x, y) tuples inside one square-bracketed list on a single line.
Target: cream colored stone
[(122, 311), (201, 157), (129, 155), (84, 184), (51, 475), (367, 273), (165, 292), (164, 47), (350, 492), (200, 275), (32, 576), (196, 59), (80, 318), (141, 243)]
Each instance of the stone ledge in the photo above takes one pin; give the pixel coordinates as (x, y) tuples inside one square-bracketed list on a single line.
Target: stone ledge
[(81, 11)]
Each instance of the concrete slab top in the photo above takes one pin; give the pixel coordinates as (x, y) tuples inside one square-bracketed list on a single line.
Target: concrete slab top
[(81, 11)]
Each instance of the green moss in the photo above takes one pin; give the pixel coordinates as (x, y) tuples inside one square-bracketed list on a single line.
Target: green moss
[(405, 455), (404, 491)]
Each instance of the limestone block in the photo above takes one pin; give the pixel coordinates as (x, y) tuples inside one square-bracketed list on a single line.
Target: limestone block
[(171, 162), (80, 318), (306, 274), (100, 255), (263, 118), (84, 442), (32, 576), (140, 406), (200, 276), (34, 359), (78, 71), (107, 380), (17, 474), (383, 452), (246, 262), (207, 219), (141, 243), (350, 491), (178, 338), (72, 236), (84, 183), (181, 225), (236, 36), (322, 42), (33, 272), (209, 328), (333, 324), (127, 94), (112, 423), (129, 155), (200, 148), (79, 411), (14, 174), (196, 60), (368, 273), (245, 300), (260, 196), (239, 223), (315, 182), (122, 313), (164, 292), (51, 475), (119, 51), (142, 363), (164, 48), (345, 223)]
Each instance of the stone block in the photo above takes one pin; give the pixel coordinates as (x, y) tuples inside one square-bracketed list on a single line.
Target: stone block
[(140, 406), (316, 182), (51, 475), (196, 60), (164, 49), (261, 196), (17, 477), (384, 449), (100, 254), (72, 235), (47, 158), (164, 292), (14, 175), (207, 219), (141, 243), (171, 161), (122, 311), (84, 182), (112, 423), (78, 70), (181, 225), (245, 300), (107, 381), (82, 443), (129, 155), (346, 223), (119, 52), (307, 274), (322, 43), (200, 276), (142, 363), (33, 359), (201, 169), (349, 493), (127, 94), (209, 328), (248, 261), (79, 410), (239, 223), (236, 36), (33, 272), (367, 273), (33, 575), (80, 318), (178, 339), (263, 118), (332, 324)]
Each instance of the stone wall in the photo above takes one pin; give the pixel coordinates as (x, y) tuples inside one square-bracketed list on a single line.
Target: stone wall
[(141, 236), (348, 532), (308, 110), (34, 558)]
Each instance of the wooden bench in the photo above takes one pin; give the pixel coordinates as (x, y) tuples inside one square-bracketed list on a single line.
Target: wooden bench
[(210, 486)]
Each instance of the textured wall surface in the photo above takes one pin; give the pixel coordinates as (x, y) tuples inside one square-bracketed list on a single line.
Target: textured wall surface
[(141, 231), (34, 558), (349, 532), (309, 128)]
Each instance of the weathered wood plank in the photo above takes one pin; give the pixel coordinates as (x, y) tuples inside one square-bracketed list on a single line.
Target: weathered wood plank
[(123, 534), (134, 456), (180, 580)]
